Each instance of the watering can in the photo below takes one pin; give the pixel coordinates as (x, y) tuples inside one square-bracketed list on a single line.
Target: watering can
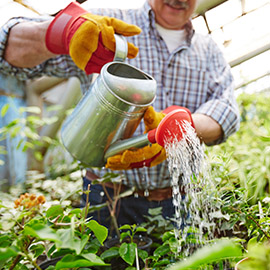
[(106, 117), (109, 111)]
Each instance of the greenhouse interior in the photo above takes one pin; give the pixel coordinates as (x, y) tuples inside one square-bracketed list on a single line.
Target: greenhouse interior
[(52, 131)]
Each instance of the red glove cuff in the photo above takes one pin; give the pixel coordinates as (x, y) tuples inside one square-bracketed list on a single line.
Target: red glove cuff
[(56, 40), (144, 163), (97, 62)]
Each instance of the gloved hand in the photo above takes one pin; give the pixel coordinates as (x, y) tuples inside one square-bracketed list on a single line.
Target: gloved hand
[(149, 156), (87, 38)]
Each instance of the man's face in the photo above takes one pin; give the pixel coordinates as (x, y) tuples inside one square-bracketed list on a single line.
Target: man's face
[(173, 14)]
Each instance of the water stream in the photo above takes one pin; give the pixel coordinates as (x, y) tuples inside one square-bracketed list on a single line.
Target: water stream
[(193, 190)]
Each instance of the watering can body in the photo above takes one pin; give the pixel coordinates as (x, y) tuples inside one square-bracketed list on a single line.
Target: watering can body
[(109, 111)]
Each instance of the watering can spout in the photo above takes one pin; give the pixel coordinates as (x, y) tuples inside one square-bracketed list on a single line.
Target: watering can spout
[(168, 130)]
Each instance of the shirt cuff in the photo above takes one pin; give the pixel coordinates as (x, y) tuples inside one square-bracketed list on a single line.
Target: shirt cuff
[(5, 67), (227, 116)]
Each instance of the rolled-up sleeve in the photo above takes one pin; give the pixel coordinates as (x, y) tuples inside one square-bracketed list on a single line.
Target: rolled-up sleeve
[(59, 66), (221, 105)]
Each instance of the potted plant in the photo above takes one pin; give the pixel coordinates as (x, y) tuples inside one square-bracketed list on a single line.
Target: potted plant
[(128, 249)]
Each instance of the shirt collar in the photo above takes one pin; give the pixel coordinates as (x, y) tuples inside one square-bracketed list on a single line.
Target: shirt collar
[(149, 21)]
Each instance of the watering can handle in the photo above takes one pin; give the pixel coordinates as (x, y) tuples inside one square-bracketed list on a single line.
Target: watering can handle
[(121, 48)]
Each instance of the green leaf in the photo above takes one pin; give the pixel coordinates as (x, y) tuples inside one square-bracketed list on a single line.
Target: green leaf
[(155, 211), (221, 250), (125, 227), (37, 249), (140, 229), (143, 254), (123, 235), (99, 231), (167, 235), (93, 258), (41, 231), (4, 109), (128, 252), (54, 211), (6, 253), (5, 241), (110, 253), (70, 261), (162, 250), (30, 109), (38, 156), (69, 241)]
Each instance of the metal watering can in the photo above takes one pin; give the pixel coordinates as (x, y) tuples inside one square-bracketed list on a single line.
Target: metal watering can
[(109, 111)]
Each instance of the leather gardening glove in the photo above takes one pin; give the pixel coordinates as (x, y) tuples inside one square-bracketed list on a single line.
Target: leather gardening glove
[(149, 156), (87, 38)]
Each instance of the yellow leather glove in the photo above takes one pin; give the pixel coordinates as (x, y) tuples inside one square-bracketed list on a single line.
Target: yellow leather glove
[(149, 156), (87, 38)]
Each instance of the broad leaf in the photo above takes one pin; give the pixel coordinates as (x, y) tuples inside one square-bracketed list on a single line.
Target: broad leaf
[(70, 261), (128, 252), (221, 250), (69, 241), (6, 253), (42, 231), (54, 211), (110, 253), (99, 231)]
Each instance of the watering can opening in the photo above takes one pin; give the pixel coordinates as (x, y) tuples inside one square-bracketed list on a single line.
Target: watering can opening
[(123, 70), (129, 84)]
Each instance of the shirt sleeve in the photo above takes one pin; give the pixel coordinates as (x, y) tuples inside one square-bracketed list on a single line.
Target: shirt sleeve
[(221, 105), (60, 66)]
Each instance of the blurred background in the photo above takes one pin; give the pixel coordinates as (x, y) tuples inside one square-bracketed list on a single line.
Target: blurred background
[(240, 28)]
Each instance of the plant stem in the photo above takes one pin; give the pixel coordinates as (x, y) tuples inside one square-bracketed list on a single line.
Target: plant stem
[(87, 201), (17, 259), (251, 218), (86, 207), (114, 221)]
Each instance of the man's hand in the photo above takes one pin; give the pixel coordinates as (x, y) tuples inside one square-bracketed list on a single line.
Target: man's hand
[(148, 156), (87, 38)]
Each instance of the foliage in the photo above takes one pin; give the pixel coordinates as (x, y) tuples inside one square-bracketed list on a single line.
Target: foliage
[(239, 168), (155, 224), (246, 154), (31, 229), (27, 129), (258, 256), (208, 254), (127, 248)]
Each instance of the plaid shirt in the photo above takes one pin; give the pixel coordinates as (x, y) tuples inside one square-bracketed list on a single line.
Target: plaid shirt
[(195, 76)]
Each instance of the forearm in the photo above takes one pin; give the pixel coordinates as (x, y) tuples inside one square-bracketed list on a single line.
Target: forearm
[(26, 47), (207, 129)]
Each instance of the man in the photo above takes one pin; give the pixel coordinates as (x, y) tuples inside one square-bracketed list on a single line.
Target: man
[(189, 69)]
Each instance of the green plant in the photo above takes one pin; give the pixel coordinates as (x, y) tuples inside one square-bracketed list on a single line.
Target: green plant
[(33, 230), (248, 149), (27, 129), (257, 256), (155, 224), (112, 201), (127, 247), (212, 253)]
